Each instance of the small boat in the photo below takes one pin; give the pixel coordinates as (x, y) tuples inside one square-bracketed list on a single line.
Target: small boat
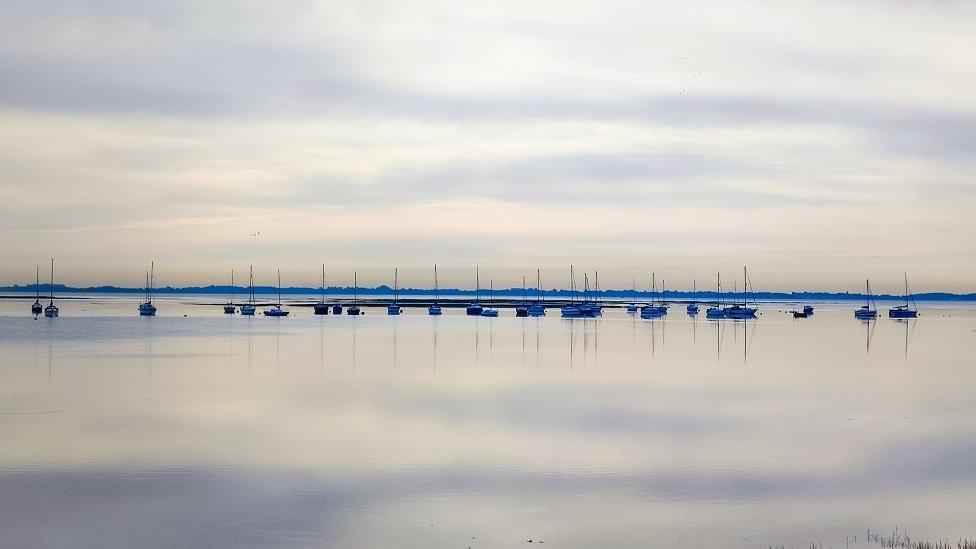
[(572, 309), (230, 308), (909, 309), (353, 310), (808, 309), (537, 309), (489, 311), (474, 308), (656, 308), (147, 308), (248, 308), (693, 306), (716, 311), (321, 308), (632, 306), (277, 310), (522, 310), (742, 310), (51, 311), (435, 309), (337, 308), (393, 308), (799, 314), (868, 311), (36, 307)]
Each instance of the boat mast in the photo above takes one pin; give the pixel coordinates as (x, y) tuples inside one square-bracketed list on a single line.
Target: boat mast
[(477, 283), (323, 284), (355, 287), (232, 286), (279, 288), (538, 284), (437, 294), (37, 283), (250, 283)]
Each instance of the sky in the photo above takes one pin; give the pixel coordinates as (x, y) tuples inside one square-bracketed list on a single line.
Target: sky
[(819, 143)]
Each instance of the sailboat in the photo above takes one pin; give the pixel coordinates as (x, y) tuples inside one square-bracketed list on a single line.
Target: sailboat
[(656, 308), (230, 308), (571, 310), (867, 311), (590, 307), (742, 310), (321, 308), (716, 311), (353, 310), (51, 311), (435, 309), (632, 306), (248, 308), (37, 308), (394, 307), (537, 309), (909, 309), (147, 308), (693, 306), (475, 307), (522, 310), (488, 311), (277, 310)]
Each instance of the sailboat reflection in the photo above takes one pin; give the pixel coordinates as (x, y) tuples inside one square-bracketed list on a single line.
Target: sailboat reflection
[(869, 325), (909, 331)]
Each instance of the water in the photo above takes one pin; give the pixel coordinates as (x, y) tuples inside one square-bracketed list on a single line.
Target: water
[(415, 431)]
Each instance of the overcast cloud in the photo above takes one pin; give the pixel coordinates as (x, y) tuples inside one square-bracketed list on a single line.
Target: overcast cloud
[(818, 142)]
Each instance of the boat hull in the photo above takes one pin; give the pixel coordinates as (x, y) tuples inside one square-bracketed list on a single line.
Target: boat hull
[(320, 309), (902, 313), (866, 314), (337, 309), (434, 310), (229, 309), (353, 311), (393, 310)]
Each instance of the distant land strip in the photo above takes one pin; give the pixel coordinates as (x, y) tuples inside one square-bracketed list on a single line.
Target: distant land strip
[(530, 294)]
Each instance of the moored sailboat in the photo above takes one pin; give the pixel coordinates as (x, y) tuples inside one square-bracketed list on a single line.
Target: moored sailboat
[(321, 308), (867, 311), (435, 309), (147, 308), (537, 308), (693, 306), (656, 308), (230, 308), (248, 308), (474, 308), (277, 310), (36, 307), (51, 311), (393, 308), (909, 309), (353, 310)]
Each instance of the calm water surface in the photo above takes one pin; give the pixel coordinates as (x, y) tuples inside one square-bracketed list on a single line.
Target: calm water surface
[(413, 431)]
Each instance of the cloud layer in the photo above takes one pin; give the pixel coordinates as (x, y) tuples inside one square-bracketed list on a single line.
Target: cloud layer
[(817, 143)]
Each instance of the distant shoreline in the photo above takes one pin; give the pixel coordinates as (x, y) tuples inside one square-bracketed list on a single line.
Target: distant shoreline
[(514, 293)]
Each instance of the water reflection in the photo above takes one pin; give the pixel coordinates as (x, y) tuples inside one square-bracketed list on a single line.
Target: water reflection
[(592, 439)]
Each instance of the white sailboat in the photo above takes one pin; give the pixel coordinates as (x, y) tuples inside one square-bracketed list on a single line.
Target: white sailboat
[(248, 308)]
